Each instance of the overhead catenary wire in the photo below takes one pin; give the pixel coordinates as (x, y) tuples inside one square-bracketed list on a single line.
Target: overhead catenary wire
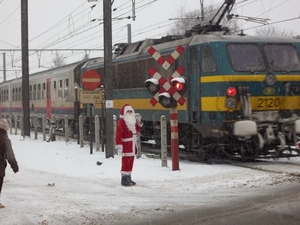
[(67, 37)]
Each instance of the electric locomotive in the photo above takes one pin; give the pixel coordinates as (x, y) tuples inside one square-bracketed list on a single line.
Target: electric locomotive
[(243, 99)]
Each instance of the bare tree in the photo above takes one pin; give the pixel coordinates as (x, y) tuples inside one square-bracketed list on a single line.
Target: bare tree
[(273, 31), (187, 20), (58, 60)]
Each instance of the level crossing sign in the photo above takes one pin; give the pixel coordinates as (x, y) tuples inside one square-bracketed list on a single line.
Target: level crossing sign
[(91, 80), (168, 93), (164, 84)]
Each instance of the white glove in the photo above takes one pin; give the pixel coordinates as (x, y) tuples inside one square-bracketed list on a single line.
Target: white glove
[(120, 150), (138, 117)]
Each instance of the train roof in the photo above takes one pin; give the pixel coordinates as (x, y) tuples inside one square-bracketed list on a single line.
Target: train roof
[(238, 38), (67, 67), (171, 42)]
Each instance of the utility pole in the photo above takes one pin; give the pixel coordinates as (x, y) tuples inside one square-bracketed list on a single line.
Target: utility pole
[(25, 67), (202, 10), (129, 33), (109, 131), (4, 67), (133, 10)]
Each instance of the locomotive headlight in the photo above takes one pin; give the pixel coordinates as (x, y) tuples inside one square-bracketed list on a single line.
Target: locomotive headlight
[(230, 103), (270, 79)]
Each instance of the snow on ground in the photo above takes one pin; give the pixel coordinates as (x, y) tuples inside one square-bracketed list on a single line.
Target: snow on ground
[(61, 183)]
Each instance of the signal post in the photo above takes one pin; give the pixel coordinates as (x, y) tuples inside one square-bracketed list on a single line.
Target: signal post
[(168, 94), (174, 138)]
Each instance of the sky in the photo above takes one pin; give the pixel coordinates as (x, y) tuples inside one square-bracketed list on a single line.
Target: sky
[(59, 183), (78, 24)]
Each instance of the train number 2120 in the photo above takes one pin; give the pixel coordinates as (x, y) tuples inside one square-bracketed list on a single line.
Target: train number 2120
[(268, 103)]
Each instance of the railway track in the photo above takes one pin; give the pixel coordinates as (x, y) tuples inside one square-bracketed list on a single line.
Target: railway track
[(287, 168), (147, 147)]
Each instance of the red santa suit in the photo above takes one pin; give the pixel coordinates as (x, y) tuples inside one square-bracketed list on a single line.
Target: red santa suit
[(126, 140)]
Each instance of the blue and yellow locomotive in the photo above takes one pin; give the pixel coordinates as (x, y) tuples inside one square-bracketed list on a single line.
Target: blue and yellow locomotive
[(243, 98)]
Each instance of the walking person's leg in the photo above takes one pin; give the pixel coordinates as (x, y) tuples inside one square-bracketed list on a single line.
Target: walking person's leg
[(1, 183)]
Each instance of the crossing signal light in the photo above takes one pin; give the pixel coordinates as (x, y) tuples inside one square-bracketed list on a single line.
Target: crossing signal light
[(168, 95), (166, 100), (180, 84), (152, 86)]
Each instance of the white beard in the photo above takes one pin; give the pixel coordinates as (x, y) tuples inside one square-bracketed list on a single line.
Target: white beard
[(130, 122)]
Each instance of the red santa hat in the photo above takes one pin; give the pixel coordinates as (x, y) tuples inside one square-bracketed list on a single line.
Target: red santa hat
[(124, 109)]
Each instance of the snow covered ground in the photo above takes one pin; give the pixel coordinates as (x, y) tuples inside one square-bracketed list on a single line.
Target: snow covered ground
[(61, 183)]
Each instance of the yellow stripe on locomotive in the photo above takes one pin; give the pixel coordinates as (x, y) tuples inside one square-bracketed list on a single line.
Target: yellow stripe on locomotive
[(260, 103)]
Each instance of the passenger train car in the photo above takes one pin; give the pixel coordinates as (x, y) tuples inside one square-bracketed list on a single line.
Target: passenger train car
[(51, 95)]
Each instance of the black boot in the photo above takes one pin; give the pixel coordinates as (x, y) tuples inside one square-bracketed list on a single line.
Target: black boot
[(125, 180), (131, 181)]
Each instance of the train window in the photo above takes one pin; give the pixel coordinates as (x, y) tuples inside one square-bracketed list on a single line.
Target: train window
[(54, 84), (60, 90), (19, 94), (282, 57), (39, 92), (13, 94), (34, 92), (208, 63), (194, 61), (30, 92), (66, 92), (246, 57), (131, 74), (43, 91)]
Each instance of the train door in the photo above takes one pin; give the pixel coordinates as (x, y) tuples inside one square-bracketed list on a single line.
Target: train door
[(194, 85), (48, 98)]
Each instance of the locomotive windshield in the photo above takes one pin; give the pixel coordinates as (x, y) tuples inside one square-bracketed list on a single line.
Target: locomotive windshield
[(249, 57), (282, 57), (246, 57)]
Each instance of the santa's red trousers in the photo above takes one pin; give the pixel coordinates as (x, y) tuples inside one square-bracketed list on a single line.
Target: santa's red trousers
[(127, 163)]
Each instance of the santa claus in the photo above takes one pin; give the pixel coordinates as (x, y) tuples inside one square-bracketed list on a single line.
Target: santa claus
[(128, 126)]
